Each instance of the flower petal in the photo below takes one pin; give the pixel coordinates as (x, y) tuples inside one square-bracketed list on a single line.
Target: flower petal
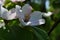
[(36, 19), (47, 4), (36, 23), (17, 0), (41, 21), (33, 23), (19, 12), (11, 14), (21, 0), (26, 9), (47, 14), (2, 2), (36, 15), (8, 15), (2, 24), (13, 0), (0, 10), (3, 12), (22, 22)]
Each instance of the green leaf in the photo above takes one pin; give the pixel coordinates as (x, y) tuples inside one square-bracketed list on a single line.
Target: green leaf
[(15, 33), (55, 34), (40, 34)]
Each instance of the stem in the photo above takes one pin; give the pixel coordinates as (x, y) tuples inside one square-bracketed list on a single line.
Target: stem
[(6, 22), (54, 26)]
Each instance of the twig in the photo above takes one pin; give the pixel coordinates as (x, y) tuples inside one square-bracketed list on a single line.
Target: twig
[(54, 26)]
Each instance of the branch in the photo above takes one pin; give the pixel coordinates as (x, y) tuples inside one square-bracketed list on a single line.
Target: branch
[(54, 26)]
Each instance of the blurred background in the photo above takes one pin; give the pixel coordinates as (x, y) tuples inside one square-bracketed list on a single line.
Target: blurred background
[(11, 32)]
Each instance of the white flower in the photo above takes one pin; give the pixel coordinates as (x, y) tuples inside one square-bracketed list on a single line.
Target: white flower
[(47, 14), (34, 18), (5, 14), (47, 4), (17, 0), (2, 2), (2, 24), (8, 15)]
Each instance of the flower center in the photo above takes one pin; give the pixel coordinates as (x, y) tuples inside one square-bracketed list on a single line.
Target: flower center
[(27, 17)]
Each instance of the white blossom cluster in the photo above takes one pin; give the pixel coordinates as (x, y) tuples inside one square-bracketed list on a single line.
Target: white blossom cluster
[(23, 13)]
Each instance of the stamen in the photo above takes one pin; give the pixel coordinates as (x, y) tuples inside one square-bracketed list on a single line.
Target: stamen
[(27, 17)]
